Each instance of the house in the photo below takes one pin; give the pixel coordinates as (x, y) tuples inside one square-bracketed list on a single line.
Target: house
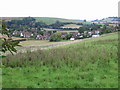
[(75, 34), (72, 39), (21, 34), (26, 34), (95, 32), (81, 36), (40, 37), (93, 36), (90, 33), (34, 30), (16, 33), (45, 36)]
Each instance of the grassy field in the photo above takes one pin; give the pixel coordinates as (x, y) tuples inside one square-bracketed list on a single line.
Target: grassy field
[(36, 42), (69, 31), (51, 20), (40, 42), (88, 64), (59, 30), (12, 18), (47, 20), (71, 26), (49, 29)]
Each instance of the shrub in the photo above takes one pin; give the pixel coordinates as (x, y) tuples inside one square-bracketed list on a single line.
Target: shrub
[(55, 37), (68, 36)]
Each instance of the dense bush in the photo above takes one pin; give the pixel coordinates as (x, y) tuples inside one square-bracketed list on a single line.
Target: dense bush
[(68, 36), (55, 37)]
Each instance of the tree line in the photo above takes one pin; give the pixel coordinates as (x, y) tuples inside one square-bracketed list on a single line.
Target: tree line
[(29, 22)]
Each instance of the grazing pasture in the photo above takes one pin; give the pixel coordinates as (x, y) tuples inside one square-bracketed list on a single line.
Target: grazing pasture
[(87, 64)]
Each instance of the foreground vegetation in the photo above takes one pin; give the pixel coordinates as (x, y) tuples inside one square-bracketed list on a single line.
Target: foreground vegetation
[(88, 64)]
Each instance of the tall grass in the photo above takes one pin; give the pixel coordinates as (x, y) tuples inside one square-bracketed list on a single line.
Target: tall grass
[(87, 64)]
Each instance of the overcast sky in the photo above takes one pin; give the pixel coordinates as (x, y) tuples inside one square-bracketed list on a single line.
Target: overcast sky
[(69, 9)]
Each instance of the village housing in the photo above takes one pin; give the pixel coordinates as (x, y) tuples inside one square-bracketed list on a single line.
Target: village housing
[(46, 35)]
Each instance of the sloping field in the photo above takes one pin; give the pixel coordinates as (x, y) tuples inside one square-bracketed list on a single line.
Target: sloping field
[(47, 20), (50, 20), (88, 64), (11, 18)]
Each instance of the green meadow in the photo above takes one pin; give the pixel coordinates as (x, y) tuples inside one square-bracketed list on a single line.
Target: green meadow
[(87, 64), (48, 20), (68, 31)]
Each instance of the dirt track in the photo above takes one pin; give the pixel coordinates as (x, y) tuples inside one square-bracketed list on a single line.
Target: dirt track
[(53, 45)]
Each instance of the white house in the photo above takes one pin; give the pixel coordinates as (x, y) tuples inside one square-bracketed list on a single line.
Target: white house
[(81, 36), (78, 34), (31, 34), (95, 36), (72, 39), (90, 33), (21, 34), (97, 32)]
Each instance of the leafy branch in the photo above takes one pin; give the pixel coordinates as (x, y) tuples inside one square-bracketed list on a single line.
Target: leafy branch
[(6, 43)]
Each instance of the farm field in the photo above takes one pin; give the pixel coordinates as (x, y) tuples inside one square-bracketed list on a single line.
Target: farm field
[(59, 30), (71, 26), (68, 31), (48, 29), (33, 45), (88, 64)]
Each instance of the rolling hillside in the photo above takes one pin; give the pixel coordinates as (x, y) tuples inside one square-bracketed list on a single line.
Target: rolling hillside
[(50, 20), (11, 18), (47, 20)]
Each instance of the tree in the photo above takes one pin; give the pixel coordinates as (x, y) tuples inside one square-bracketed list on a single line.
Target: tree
[(55, 37), (40, 32), (68, 36), (29, 19), (84, 20), (7, 44), (82, 29)]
